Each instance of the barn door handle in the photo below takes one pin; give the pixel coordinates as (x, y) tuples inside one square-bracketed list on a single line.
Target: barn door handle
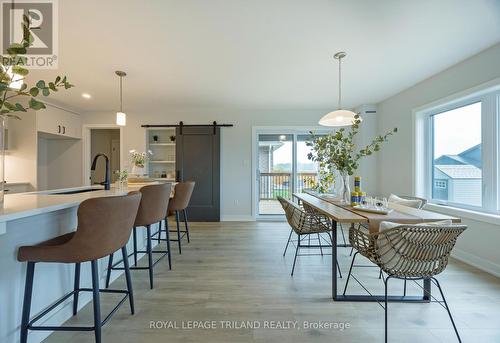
[(178, 176)]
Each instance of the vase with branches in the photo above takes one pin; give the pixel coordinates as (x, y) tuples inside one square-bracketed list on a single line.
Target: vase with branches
[(337, 152), (139, 160), (15, 94)]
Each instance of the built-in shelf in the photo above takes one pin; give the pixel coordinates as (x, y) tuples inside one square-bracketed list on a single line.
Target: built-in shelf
[(162, 162)]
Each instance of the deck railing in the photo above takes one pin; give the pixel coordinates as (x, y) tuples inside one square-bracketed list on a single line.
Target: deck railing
[(280, 184)]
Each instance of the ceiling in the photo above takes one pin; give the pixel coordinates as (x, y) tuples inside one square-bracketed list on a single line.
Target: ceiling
[(262, 54)]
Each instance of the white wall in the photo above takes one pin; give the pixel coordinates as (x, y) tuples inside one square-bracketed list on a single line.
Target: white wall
[(478, 245), (59, 163), (20, 160), (236, 143)]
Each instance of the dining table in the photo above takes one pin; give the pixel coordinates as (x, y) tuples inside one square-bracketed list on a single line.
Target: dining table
[(340, 213)]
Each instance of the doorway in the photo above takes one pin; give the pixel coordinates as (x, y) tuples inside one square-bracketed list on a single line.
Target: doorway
[(282, 168), (107, 142)]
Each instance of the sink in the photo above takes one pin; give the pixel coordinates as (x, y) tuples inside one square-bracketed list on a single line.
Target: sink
[(76, 191)]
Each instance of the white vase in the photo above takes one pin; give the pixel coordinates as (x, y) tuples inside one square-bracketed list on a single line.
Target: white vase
[(345, 189), (136, 170)]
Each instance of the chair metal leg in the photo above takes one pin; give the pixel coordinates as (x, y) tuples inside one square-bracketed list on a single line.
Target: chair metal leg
[(352, 250), (296, 253), (184, 211), (135, 246), (110, 266), (350, 272), (128, 279), (447, 308), (167, 237), (320, 247), (288, 242), (96, 301), (342, 232), (150, 256), (386, 281), (338, 268), (380, 274), (404, 290), (178, 231), (75, 288), (28, 292)]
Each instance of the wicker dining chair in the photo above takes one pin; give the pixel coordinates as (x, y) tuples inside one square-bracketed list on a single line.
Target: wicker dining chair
[(409, 252), (302, 224), (423, 201)]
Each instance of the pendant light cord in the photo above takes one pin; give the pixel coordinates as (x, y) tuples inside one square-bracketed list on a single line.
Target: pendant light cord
[(121, 94), (340, 83)]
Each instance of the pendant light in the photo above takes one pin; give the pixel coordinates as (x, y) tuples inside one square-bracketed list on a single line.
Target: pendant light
[(121, 117), (339, 117)]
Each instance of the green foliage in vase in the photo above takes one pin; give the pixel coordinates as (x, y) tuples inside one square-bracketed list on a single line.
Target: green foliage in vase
[(13, 73), (326, 178), (336, 151)]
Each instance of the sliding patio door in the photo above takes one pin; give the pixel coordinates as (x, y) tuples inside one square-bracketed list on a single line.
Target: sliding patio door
[(282, 169)]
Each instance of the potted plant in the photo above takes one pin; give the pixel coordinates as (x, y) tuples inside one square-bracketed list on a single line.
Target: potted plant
[(139, 160), (336, 152), (15, 94)]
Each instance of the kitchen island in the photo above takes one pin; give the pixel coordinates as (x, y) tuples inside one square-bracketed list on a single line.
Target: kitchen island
[(30, 218)]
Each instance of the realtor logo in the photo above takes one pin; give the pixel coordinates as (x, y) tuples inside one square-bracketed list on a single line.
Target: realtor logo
[(43, 52)]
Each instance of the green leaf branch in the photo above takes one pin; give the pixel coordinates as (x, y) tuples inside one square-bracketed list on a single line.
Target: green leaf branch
[(337, 151), (14, 72)]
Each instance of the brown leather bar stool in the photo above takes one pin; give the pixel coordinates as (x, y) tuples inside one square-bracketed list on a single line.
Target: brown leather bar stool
[(104, 226), (152, 210), (180, 202)]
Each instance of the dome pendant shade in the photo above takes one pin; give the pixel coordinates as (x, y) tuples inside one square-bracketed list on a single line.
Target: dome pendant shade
[(338, 118)]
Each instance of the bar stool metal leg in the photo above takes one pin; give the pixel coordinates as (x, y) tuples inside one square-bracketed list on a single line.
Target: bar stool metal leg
[(150, 256), (186, 223), (28, 292), (96, 301), (159, 233), (110, 267), (76, 288), (135, 246), (167, 237), (128, 279), (178, 231)]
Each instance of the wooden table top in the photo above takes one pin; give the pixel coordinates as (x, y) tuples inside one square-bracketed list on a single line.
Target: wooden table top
[(330, 210), (400, 214)]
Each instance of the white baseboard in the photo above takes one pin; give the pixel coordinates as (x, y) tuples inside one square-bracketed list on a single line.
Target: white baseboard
[(237, 218), (476, 261)]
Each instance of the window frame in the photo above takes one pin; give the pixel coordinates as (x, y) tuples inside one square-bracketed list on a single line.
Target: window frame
[(490, 132)]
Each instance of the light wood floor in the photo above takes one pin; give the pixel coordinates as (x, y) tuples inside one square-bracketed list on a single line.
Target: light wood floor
[(236, 272)]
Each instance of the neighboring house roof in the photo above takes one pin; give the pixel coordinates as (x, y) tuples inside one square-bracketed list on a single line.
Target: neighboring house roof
[(460, 171), (471, 156)]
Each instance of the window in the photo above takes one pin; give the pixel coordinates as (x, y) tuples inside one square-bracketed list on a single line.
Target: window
[(456, 152), (440, 184), (456, 136)]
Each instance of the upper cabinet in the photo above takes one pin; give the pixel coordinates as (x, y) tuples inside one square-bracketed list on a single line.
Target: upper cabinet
[(59, 123)]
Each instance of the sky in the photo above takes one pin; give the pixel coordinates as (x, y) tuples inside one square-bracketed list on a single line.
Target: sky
[(457, 130)]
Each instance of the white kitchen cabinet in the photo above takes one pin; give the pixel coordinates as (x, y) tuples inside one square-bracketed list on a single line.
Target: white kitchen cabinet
[(59, 123)]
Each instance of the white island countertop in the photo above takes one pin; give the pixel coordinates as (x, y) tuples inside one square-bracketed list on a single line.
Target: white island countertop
[(17, 206)]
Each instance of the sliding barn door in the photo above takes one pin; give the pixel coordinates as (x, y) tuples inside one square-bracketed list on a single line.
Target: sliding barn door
[(198, 159)]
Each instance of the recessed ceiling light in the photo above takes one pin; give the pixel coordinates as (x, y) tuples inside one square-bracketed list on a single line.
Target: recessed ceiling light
[(86, 95)]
